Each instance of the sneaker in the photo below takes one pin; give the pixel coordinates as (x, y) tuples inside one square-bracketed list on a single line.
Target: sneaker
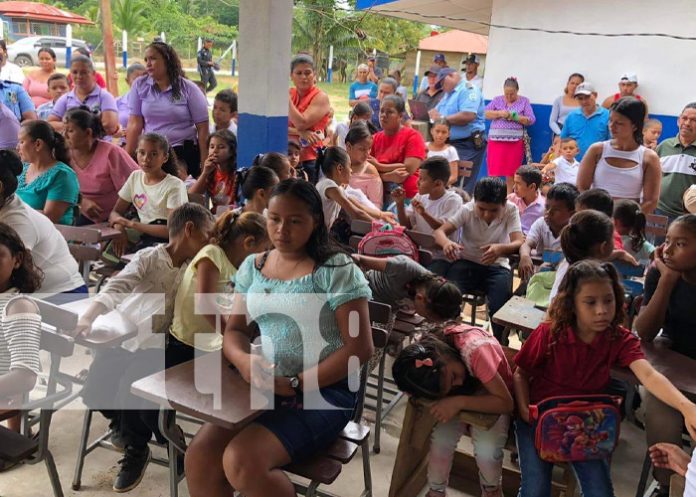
[(132, 469)]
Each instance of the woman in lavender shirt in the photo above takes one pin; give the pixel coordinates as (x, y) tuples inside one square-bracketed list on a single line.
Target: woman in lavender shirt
[(133, 72), (565, 103), (510, 114), (87, 93), (163, 101)]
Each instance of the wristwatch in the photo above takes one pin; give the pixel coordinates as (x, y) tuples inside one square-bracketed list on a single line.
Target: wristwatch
[(295, 384)]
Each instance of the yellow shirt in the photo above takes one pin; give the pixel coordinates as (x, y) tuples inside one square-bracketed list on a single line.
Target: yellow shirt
[(189, 326)]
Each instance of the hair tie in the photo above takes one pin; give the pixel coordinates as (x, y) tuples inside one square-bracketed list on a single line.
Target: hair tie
[(425, 362), (514, 78)]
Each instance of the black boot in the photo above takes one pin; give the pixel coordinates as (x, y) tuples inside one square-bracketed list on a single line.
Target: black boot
[(133, 465)]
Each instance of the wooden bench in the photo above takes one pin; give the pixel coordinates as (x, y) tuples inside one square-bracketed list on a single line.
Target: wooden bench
[(16, 447)]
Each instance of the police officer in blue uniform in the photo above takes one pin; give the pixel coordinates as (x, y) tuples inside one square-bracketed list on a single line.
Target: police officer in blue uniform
[(16, 98), (206, 66)]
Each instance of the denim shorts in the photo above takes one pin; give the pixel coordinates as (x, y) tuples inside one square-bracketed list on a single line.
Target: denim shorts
[(304, 432)]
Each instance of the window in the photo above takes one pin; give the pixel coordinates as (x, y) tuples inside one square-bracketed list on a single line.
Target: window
[(19, 26), (40, 28)]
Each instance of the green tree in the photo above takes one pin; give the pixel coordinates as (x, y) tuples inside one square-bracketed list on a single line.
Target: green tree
[(129, 15)]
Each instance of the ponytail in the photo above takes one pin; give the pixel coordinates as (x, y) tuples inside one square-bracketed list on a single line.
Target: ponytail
[(628, 213), (328, 159), (234, 224), (255, 178), (55, 142), (585, 231)]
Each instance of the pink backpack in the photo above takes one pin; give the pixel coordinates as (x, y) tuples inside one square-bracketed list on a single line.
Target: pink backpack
[(386, 240)]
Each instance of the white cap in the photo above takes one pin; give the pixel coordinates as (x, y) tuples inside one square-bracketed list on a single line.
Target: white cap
[(585, 88), (629, 77)]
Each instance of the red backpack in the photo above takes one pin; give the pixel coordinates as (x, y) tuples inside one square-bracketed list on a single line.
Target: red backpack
[(386, 240)]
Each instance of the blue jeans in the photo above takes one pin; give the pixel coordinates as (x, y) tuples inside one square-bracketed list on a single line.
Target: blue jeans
[(594, 476), (470, 276), (466, 151)]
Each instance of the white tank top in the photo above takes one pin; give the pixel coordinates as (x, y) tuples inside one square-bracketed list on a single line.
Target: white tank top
[(620, 182)]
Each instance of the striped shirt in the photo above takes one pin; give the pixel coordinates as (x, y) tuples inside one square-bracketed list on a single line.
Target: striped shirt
[(20, 337), (678, 174)]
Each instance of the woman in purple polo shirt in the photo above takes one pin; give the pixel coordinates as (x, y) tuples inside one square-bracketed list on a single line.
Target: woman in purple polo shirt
[(86, 93), (165, 102), (133, 72)]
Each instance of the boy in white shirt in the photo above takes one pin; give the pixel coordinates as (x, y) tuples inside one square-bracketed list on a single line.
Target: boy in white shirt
[(490, 230), (545, 232), (225, 112), (565, 168), (138, 289), (433, 204)]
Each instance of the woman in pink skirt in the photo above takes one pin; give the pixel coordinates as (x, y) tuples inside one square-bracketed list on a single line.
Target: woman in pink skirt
[(509, 113)]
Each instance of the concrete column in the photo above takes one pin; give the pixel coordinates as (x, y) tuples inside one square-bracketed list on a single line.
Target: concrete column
[(265, 28), (68, 45)]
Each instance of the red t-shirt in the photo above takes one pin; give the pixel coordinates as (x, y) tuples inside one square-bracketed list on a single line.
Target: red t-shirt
[(571, 366), (618, 242), (222, 188), (395, 149)]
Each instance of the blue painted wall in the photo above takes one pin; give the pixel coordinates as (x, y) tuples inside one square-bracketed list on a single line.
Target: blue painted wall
[(541, 134), (258, 135)]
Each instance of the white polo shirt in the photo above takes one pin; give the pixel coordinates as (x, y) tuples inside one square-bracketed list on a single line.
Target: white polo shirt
[(541, 238), (475, 233)]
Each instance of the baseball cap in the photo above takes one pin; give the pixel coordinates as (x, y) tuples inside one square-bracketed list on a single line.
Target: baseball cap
[(444, 72), (439, 57), (208, 40), (585, 89), (690, 200), (433, 69), (629, 77), (473, 58)]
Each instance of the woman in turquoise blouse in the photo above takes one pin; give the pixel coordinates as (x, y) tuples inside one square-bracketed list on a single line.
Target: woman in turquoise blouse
[(310, 304), (47, 182)]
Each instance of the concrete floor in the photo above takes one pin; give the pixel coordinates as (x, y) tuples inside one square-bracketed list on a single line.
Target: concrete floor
[(101, 467)]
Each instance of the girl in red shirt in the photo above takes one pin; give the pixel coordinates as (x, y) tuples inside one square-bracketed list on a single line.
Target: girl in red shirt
[(572, 354), (397, 150), (218, 178)]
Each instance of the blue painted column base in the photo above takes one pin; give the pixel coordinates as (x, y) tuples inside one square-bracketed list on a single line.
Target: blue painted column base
[(258, 135)]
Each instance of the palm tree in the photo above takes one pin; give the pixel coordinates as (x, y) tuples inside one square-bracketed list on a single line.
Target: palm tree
[(129, 15)]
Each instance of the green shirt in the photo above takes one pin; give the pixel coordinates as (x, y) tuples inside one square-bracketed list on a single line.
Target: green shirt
[(678, 174), (59, 183)]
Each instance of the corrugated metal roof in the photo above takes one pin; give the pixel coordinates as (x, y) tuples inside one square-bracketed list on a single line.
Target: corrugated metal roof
[(467, 15), (40, 12), (456, 41)]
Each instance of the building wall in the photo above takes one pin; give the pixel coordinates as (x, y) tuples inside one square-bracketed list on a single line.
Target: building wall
[(666, 68)]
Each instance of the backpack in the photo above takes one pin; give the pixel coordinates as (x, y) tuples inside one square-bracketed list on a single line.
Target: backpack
[(386, 240), (576, 428), (539, 287)]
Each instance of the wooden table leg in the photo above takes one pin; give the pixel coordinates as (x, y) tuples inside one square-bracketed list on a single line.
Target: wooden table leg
[(411, 463)]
